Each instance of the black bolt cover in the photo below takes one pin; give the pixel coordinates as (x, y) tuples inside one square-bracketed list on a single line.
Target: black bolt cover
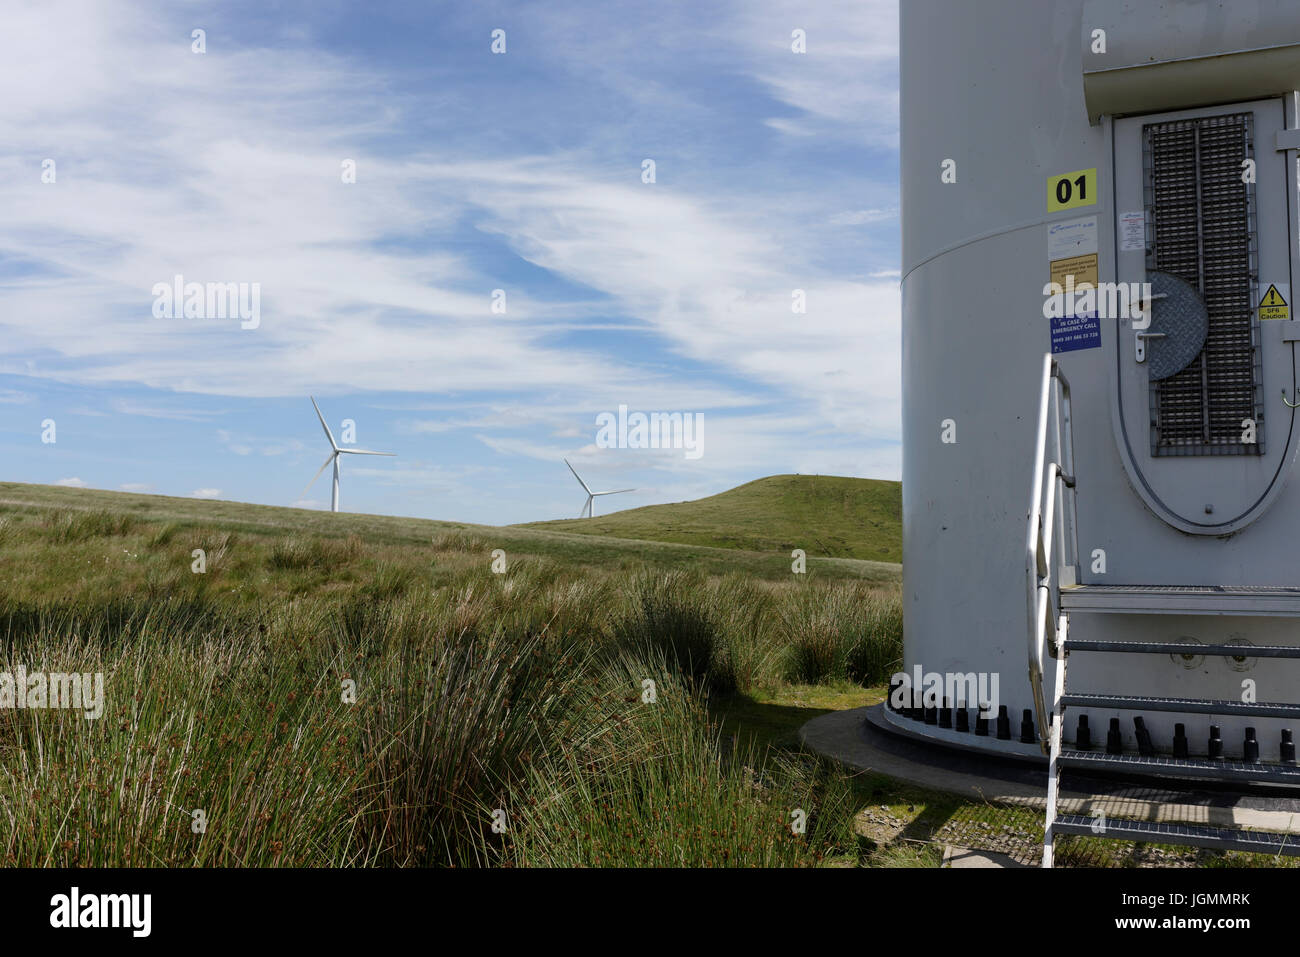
[(1083, 736), (1180, 741), (1114, 743)]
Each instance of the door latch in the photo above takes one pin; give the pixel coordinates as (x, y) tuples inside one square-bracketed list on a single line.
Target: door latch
[(1140, 339)]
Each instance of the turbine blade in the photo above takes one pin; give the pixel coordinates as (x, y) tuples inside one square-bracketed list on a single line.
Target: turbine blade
[(578, 477), (318, 473), (328, 434), (364, 452)]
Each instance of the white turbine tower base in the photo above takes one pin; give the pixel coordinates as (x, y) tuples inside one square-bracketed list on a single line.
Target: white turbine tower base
[(335, 452), (587, 510)]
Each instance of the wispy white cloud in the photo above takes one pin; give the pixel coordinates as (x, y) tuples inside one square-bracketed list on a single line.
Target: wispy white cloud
[(153, 411), (859, 217), (236, 447), (845, 85), (672, 296)]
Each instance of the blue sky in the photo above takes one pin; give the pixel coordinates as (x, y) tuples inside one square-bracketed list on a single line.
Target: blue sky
[(475, 171)]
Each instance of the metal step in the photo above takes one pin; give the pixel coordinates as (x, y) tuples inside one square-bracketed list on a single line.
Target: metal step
[(1185, 648), (1183, 599), (1192, 835), (1239, 772), (1263, 709)]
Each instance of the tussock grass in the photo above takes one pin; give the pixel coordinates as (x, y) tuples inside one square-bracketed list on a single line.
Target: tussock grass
[(364, 699), (388, 581), (853, 633), (451, 732), (196, 719), (163, 535), (74, 526), (671, 614), (653, 785), (457, 541), (323, 553)]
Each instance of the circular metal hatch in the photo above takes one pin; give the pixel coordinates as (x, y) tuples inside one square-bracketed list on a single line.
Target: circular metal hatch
[(1179, 325)]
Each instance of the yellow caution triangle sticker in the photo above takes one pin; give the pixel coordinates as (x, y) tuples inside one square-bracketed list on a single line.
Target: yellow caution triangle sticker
[(1273, 305), (1272, 298)]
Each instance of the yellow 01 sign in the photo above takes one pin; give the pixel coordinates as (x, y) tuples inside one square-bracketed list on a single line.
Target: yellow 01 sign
[(1071, 190)]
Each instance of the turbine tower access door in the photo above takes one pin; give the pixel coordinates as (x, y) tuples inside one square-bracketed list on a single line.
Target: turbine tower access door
[(1204, 201)]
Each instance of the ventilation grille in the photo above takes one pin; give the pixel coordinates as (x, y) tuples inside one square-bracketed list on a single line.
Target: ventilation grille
[(1203, 220)]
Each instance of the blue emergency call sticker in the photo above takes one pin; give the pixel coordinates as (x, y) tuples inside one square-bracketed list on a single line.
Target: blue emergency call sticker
[(1075, 332)]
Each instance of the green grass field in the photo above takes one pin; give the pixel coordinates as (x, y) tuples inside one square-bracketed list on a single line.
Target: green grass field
[(351, 690), (408, 537), (825, 515)]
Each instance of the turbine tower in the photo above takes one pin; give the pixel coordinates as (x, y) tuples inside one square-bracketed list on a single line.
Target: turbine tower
[(335, 452), (587, 511)]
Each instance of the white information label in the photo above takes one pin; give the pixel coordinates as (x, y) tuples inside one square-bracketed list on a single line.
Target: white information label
[(1132, 231), (1072, 237)]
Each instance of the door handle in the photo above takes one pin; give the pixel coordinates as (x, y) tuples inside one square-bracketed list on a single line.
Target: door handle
[(1140, 343)]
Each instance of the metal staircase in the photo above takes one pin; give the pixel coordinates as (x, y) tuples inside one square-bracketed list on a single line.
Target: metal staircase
[(1054, 592)]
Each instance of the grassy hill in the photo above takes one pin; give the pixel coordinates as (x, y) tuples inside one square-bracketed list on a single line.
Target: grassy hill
[(825, 515), (360, 690), (410, 543)]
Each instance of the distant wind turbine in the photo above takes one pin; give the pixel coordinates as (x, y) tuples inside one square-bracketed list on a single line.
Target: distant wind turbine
[(335, 452), (587, 511)]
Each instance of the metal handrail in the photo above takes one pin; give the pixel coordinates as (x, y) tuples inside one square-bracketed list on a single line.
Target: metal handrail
[(1051, 477)]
